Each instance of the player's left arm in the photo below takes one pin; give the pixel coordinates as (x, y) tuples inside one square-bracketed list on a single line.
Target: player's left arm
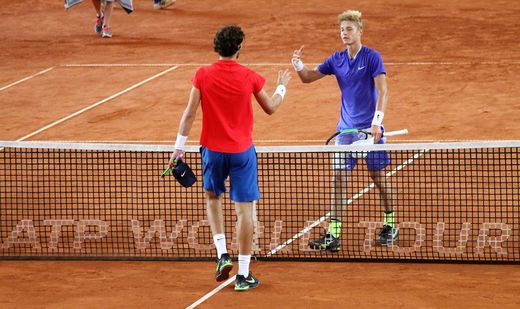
[(270, 104), (382, 100)]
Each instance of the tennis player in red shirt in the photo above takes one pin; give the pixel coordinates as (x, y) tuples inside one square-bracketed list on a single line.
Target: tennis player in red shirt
[(224, 90)]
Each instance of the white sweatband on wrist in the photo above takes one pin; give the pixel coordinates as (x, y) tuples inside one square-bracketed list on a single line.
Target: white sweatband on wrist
[(378, 118), (297, 64), (180, 142), (281, 90)]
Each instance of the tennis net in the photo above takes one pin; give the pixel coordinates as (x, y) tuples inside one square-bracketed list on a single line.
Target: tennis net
[(453, 202)]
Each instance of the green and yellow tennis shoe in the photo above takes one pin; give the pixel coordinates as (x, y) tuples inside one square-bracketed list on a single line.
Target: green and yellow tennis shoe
[(325, 242), (388, 235), (243, 284), (224, 266)]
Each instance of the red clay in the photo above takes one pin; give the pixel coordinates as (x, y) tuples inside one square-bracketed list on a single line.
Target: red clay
[(452, 75)]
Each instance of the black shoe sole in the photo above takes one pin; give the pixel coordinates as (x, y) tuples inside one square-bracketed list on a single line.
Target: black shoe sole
[(318, 247), (384, 242), (250, 287), (224, 273)]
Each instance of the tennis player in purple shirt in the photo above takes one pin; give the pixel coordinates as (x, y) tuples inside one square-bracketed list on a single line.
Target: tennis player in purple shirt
[(361, 77)]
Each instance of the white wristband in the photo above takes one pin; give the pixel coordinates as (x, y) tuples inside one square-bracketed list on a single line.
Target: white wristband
[(297, 64), (281, 90), (180, 142), (378, 118)]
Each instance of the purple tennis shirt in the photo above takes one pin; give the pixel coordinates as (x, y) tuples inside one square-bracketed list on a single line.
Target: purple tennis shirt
[(356, 80)]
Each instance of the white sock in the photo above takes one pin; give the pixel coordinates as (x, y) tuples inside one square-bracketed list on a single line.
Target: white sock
[(243, 265), (220, 243)]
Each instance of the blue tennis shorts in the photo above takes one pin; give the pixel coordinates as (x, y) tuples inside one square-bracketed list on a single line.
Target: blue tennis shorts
[(376, 160), (241, 168)]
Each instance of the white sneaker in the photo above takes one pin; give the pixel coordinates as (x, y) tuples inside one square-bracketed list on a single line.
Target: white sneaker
[(106, 32)]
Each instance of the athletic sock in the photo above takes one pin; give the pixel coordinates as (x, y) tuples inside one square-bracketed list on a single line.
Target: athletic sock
[(335, 227), (243, 265), (389, 218), (220, 243)]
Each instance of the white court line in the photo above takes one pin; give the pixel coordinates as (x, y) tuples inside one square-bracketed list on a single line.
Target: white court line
[(25, 79), (418, 63), (105, 65), (308, 228), (211, 293), (95, 104)]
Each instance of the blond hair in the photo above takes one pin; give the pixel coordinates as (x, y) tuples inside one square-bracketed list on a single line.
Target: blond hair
[(352, 16)]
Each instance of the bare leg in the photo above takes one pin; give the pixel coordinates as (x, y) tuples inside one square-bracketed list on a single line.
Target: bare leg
[(244, 212), (385, 189), (339, 195), (214, 210), (108, 12), (97, 6)]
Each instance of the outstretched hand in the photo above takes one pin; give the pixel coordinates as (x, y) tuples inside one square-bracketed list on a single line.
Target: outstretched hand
[(284, 77), (296, 59)]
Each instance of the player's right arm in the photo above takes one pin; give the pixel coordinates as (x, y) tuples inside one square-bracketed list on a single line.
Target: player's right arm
[(185, 125), (306, 75)]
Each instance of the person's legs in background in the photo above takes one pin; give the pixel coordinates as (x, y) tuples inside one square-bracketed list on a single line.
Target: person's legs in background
[(99, 16), (106, 32)]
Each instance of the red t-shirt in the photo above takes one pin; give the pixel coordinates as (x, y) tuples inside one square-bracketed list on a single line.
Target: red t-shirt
[(227, 113)]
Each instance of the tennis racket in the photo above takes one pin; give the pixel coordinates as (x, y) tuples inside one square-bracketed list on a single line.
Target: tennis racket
[(182, 172), (166, 172), (362, 134)]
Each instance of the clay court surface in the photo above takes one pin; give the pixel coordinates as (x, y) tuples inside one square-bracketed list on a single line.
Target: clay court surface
[(451, 66)]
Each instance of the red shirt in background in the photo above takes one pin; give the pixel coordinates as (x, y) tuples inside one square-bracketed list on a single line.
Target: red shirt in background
[(227, 113)]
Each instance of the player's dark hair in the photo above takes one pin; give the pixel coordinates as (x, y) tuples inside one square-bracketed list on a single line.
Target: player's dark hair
[(227, 40)]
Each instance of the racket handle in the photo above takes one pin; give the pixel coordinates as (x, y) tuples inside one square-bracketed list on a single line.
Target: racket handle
[(166, 172), (396, 133)]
